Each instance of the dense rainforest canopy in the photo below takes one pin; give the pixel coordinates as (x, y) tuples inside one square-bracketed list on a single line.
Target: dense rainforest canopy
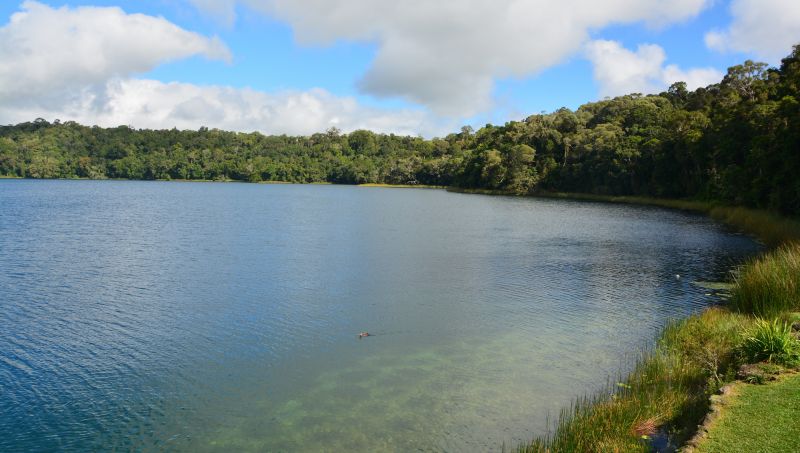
[(737, 141)]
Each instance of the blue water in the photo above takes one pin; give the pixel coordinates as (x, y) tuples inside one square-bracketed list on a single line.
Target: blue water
[(223, 317)]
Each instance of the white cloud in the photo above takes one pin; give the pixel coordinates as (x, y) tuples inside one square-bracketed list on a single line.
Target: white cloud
[(765, 28), (446, 54), (694, 78), (45, 50), (620, 71), (157, 105), (79, 64)]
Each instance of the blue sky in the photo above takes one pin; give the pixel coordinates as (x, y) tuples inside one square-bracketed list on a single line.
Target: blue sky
[(417, 67)]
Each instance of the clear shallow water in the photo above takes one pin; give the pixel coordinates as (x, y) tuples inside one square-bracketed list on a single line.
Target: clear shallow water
[(223, 317)]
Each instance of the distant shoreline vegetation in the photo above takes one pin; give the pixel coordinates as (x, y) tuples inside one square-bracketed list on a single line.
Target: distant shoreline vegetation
[(734, 142)]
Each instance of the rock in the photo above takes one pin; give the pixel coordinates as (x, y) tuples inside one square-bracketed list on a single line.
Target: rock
[(758, 373), (716, 403)]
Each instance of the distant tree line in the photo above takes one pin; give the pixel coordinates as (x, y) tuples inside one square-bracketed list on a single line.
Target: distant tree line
[(737, 141)]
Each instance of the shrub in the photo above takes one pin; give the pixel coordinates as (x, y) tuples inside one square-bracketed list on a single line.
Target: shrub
[(770, 341)]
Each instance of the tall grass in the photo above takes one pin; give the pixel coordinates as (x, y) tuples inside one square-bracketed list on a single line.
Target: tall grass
[(769, 227), (769, 285), (668, 388), (771, 341)]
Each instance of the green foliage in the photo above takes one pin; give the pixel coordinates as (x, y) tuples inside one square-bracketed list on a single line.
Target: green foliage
[(770, 341), (734, 142)]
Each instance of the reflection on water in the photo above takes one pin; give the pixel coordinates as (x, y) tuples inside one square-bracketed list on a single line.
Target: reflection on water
[(219, 317)]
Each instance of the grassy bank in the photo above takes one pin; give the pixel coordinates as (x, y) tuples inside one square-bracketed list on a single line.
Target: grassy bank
[(667, 394), (667, 391), (761, 418)]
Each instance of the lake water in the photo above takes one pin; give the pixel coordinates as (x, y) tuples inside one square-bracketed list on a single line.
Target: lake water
[(223, 317)]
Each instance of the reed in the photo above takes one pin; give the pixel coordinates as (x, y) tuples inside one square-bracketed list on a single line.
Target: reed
[(772, 229), (667, 391), (769, 285)]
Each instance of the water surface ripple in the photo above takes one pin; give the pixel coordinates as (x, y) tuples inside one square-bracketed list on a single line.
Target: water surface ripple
[(222, 317)]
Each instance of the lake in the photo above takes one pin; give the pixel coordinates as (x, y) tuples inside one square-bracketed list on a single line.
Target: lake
[(224, 317)]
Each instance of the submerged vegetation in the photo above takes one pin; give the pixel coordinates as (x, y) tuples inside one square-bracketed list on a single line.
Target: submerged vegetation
[(734, 143)]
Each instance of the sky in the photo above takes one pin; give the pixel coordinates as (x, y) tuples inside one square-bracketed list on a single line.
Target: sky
[(417, 67)]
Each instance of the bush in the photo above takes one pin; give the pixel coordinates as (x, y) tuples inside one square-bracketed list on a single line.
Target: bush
[(770, 341)]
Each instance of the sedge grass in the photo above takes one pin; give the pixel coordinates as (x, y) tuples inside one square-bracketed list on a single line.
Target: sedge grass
[(769, 227), (668, 389), (769, 285)]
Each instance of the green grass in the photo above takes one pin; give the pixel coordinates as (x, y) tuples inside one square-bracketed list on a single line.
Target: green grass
[(759, 418), (769, 285), (669, 388), (769, 227)]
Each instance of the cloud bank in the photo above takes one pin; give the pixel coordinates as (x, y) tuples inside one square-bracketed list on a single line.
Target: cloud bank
[(79, 64), (158, 105), (620, 71), (447, 54), (46, 50), (765, 28)]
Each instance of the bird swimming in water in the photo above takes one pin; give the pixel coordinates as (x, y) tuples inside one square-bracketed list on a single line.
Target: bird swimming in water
[(363, 334)]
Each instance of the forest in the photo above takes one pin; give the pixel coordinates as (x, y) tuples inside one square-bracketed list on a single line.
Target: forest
[(735, 142)]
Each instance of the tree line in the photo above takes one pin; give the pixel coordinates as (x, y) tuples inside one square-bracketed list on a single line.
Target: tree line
[(737, 141)]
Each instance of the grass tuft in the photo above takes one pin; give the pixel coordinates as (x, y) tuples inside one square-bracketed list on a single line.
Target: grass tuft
[(770, 341), (769, 285)]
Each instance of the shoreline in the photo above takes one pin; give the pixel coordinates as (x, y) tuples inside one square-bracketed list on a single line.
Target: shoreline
[(660, 405)]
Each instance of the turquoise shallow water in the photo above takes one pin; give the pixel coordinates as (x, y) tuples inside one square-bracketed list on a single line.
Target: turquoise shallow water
[(223, 317)]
